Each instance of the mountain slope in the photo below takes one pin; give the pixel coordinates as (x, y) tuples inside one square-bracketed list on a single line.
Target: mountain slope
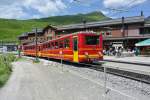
[(11, 28)]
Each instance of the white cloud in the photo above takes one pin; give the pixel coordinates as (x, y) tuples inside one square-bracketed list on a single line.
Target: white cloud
[(38, 8), (104, 12), (121, 3), (11, 11), (83, 2)]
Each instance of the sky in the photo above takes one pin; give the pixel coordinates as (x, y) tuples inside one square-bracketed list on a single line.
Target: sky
[(28, 9)]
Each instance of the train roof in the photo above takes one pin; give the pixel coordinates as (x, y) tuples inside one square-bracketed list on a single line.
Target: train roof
[(81, 32)]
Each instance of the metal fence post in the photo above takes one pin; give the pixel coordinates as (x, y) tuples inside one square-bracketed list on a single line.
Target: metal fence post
[(61, 55), (105, 82)]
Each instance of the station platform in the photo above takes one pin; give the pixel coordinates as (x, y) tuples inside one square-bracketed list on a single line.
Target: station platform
[(137, 60), (135, 64)]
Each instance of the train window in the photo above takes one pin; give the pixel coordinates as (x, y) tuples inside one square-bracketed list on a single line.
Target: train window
[(91, 40), (49, 46), (56, 45), (66, 45), (43, 46), (39, 48), (52, 45), (61, 44)]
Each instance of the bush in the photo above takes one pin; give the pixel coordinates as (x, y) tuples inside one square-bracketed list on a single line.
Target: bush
[(5, 67)]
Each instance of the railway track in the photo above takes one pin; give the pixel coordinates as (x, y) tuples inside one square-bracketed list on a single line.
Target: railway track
[(131, 75)]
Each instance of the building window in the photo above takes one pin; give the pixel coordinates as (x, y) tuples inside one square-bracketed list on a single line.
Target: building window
[(108, 33), (145, 30), (103, 33)]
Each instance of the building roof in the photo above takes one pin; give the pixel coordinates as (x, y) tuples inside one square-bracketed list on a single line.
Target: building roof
[(49, 26), (105, 23), (39, 31), (23, 35), (127, 20), (147, 22)]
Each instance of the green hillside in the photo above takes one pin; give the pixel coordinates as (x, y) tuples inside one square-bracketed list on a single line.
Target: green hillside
[(11, 28)]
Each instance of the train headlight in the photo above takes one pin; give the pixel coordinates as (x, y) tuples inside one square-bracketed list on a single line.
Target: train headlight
[(100, 53), (86, 53)]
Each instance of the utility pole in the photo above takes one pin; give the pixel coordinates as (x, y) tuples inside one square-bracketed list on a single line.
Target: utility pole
[(36, 45), (84, 23), (2, 46), (19, 49)]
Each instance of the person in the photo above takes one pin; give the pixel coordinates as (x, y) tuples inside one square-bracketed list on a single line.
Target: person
[(136, 51), (104, 51), (118, 52)]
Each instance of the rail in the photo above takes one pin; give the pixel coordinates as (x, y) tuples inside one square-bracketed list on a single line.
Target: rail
[(115, 71)]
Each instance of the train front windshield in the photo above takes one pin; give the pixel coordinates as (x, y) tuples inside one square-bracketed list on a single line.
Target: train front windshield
[(91, 40)]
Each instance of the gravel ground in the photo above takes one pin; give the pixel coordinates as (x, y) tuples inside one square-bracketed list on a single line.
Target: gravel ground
[(49, 81), (127, 88), (41, 82)]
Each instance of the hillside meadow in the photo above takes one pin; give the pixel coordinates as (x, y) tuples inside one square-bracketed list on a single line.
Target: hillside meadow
[(10, 29)]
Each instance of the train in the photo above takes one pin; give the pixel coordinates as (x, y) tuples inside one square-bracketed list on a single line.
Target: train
[(77, 47)]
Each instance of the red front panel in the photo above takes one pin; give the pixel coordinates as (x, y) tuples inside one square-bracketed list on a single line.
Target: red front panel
[(89, 53)]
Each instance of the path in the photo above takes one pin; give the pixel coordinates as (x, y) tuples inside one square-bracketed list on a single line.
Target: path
[(40, 82)]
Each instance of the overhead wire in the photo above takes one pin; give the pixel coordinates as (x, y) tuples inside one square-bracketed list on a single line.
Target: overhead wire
[(123, 9), (127, 8)]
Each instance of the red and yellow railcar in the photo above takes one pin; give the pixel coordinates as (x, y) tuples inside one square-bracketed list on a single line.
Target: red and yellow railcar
[(77, 47), (30, 50)]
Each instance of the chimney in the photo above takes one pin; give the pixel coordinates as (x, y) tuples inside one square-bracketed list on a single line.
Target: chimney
[(142, 13)]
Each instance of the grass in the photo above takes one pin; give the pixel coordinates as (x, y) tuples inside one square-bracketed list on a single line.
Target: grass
[(5, 67), (10, 29)]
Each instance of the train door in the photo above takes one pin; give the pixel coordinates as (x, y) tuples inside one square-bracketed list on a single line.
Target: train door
[(75, 49)]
